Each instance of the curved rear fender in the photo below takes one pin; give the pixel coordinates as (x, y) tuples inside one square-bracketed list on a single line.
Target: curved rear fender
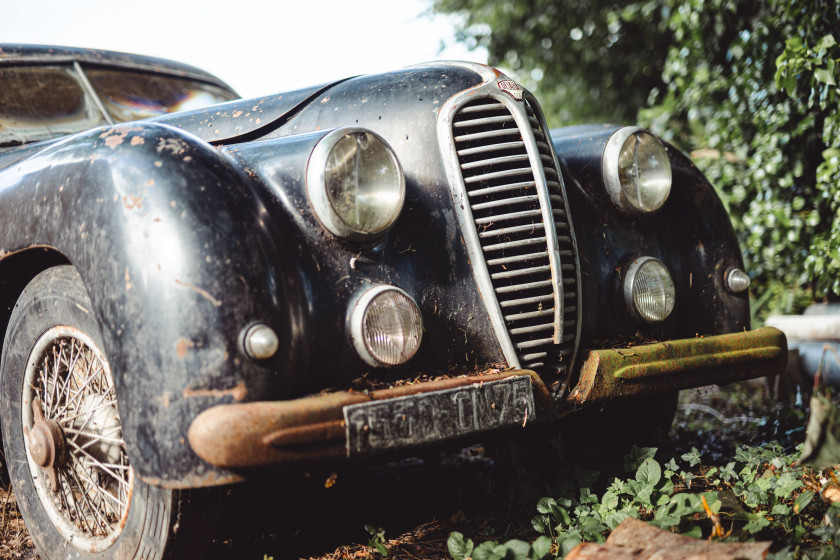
[(178, 252)]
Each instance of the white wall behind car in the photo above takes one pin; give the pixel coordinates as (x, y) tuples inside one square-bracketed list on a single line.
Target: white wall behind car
[(258, 47)]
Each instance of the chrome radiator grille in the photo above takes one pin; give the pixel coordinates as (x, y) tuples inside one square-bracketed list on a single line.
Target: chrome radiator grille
[(537, 291)]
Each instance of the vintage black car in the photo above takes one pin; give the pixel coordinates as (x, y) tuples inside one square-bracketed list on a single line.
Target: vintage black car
[(336, 273)]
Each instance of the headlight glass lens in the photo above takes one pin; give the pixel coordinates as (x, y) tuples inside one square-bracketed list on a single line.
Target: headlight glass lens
[(364, 183), (649, 289), (644, 171), (392, 327), (636, 170)]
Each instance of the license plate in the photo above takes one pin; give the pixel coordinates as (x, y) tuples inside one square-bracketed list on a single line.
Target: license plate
[(389, 424)]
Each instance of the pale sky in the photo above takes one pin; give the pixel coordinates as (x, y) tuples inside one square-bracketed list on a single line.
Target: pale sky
[(257, 47)]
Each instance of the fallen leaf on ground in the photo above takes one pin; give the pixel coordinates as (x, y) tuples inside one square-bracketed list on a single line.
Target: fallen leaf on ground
[(637, 540)]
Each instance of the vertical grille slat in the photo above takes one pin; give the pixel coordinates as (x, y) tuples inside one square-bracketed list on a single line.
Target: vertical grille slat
[(506, 193)]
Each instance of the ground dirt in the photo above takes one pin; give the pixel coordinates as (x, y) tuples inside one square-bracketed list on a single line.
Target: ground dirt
[(418, 502)]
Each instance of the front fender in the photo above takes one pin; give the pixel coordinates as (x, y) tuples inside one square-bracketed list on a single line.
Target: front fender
[(691, 234), (176, 251)]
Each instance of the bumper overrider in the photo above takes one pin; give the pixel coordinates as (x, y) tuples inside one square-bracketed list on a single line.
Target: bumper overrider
[(359, 424)]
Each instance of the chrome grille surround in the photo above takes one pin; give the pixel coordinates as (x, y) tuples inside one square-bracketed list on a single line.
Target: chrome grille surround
[(514, 216)]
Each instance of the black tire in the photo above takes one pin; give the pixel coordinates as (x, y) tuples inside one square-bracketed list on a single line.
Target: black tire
[(53, 317)]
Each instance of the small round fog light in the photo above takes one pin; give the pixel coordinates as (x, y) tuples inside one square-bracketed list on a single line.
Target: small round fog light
[(386, 326), (260, 342), (736, 280), (649, 290)]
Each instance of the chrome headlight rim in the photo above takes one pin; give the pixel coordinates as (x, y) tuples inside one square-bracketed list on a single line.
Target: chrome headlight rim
[(611, 172), (358, 313), (316, 186), (630, 282)]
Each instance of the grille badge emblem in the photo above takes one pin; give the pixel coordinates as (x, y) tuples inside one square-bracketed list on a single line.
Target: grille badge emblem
[(511, 87)]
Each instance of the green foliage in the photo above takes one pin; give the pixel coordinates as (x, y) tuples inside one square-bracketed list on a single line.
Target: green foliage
[(377, 539), (749, 87), (767, 497), (756, 105), (462, 549), (593, 61)]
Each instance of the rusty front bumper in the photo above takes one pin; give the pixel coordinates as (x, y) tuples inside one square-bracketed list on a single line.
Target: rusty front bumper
[(327, 426), (679, 364)]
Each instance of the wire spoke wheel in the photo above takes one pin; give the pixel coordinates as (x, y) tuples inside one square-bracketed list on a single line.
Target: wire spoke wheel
[(73, 438)]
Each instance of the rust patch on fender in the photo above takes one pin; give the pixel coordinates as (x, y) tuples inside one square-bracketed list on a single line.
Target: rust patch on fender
[(181, 347), (133, 202), (238, 392), (203, 293), (137, 140), (114, 140)]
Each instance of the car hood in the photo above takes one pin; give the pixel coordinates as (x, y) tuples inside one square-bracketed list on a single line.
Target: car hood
[(243, 119)]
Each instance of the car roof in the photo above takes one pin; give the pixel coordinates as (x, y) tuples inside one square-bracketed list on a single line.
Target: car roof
[(12, 54)]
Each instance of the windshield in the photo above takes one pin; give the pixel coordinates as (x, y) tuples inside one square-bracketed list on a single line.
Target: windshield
[(42, 102), (129, 96)]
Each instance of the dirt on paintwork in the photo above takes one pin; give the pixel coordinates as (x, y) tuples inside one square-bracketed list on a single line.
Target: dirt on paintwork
[(322, 514)]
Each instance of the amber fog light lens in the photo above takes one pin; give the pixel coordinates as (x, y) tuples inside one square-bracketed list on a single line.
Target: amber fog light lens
[(386, 326), (649, 290), (637, 170)]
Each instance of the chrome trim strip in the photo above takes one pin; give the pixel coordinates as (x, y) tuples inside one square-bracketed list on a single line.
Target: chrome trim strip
[(575, 252)]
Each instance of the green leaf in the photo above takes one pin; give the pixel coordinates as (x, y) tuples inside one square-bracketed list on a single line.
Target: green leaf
[(561, 516), (757, 522), (825, 76), (459, 548), (680, 506), (540, 548), (545, 505), (781, 510), (649, 473), (565, 543), (692, 457), (487, 551), (825, 43), (713, 502), (695, 532), (587, 497), (541, 523), (515, 549), (609, 500), (802, 501), (637, 456), (786, 484)]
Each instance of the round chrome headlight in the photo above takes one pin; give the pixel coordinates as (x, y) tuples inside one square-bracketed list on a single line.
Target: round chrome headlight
[(386, 326), (355, 183), (637, 171), (649, 290)]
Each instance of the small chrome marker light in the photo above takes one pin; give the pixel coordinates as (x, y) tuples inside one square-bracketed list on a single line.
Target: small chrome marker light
[(636, 170), (736, 280), (355, 183), (386, 326), (260, 342), (649, 290)]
